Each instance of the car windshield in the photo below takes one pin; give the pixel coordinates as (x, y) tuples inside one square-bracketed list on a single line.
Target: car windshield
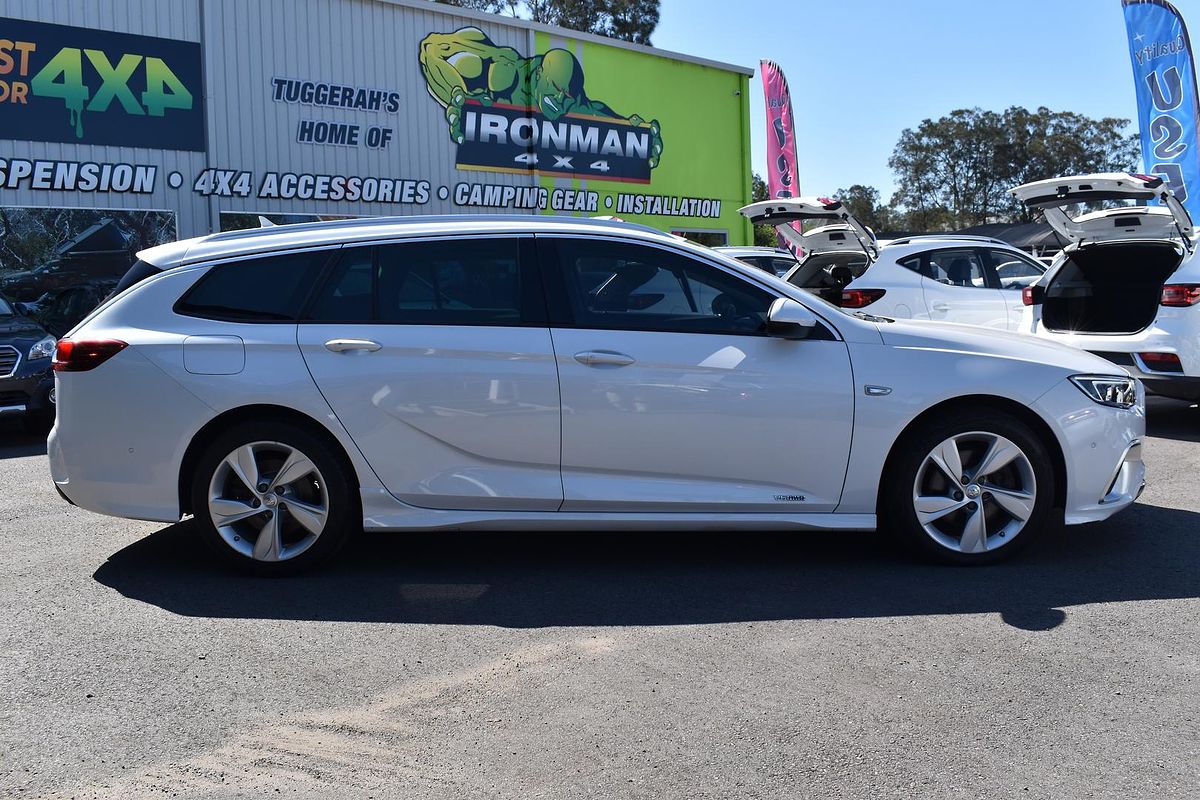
[(6, 309)]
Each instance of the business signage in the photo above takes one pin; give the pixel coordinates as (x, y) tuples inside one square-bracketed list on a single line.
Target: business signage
[(85, 86), (510, 113)]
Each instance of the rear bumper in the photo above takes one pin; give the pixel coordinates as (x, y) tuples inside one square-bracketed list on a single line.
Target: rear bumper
[(1166, 384)]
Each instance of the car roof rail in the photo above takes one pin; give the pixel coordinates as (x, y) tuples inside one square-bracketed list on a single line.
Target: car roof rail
[(422, 219), (955, 236)]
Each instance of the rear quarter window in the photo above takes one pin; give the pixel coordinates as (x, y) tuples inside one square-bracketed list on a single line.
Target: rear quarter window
[(264, 289)]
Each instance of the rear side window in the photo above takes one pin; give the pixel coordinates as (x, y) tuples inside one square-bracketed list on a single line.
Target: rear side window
[(135, 275), (446, 282), (269, 289)]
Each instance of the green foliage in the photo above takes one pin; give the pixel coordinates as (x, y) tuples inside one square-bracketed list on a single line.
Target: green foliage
[(764, 235), (956, 171), (630, 20), (863, 202)]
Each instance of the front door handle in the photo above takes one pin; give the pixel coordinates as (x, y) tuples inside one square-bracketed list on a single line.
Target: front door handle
[(603, 358), (941, 306), (347, 345)]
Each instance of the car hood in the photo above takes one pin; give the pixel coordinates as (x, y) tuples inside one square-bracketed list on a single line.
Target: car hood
[(17, 328), (1000, 344)]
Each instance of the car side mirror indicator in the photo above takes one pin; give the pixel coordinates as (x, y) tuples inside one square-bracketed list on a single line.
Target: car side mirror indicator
[(788, 319)]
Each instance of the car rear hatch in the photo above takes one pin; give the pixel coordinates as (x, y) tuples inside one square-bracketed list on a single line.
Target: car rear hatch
[(835, 253), (1118, 258)]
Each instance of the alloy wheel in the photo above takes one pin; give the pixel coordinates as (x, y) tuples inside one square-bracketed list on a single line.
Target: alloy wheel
[(974, 492), (268, 501)]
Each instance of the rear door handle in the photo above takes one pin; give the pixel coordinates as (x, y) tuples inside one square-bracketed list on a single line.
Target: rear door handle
[(603, 358), (941, 306), (347, 345)]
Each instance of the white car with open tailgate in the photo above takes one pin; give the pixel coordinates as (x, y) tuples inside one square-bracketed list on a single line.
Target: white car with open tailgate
[(1127, 287), (971, 280)]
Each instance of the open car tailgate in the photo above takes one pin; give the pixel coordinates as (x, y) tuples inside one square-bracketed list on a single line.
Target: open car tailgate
[(784, 211), (1054, 195)]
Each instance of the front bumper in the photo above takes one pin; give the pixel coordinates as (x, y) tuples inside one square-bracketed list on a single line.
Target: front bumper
[(28, 391), (1101, 449)]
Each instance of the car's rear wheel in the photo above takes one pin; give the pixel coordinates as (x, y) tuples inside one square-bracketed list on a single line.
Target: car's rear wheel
[(273, 498), (970, 488)]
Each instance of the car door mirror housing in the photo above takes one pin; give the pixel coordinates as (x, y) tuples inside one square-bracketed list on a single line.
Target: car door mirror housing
[(788, 319)]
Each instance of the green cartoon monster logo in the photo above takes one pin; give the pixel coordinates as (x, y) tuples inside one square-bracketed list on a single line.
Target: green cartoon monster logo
[(493, 95)]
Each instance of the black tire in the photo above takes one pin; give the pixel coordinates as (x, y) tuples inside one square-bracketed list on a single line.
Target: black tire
[(898, 515), (343, 517)]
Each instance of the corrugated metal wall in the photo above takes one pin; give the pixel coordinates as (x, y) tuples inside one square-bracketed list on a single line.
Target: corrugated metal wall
[(246, 44), (169, 19)]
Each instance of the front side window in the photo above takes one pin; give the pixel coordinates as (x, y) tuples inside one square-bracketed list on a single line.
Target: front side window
[(1014, 271), (617, 285), (436, 282), (265, 289)]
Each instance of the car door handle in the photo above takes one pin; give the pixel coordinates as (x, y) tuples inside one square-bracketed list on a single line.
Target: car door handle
[(603, 358), (941, 306), (348, 345)]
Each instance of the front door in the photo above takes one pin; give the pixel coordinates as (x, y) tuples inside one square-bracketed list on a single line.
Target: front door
[(957, 289), (436, 357), (673, 396)]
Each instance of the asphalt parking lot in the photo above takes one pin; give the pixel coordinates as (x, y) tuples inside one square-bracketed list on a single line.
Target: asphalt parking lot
[(616, 665)]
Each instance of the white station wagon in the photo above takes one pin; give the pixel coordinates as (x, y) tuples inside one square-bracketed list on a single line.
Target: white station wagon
[(291, 385)]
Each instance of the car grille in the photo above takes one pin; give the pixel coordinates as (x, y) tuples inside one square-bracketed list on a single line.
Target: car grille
[(8, 360)]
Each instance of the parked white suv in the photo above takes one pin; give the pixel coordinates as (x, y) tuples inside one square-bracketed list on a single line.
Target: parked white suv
[(1127, 287), (970, 280), (289, 385)]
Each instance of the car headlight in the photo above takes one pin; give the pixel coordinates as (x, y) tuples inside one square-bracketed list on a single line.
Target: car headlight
[(1108, 390), (43, 349)]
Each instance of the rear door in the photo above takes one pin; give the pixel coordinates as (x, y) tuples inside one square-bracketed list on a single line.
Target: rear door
[(957, 288), (436, 357)]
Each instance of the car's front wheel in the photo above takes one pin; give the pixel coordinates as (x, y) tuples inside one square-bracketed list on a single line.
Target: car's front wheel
[(969, 488), (273, 498)]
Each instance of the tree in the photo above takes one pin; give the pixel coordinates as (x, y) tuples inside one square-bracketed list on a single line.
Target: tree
[(956, 171), (863, 202), (764, 235), (630, 20)]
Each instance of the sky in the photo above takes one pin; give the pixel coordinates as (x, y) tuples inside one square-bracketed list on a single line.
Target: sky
[(861, 71)]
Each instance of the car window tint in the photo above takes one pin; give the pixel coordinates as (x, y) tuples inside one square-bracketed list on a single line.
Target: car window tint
[(626, 286), (454, 282), (347, 295), (1014, 271), (955, 268), (780, 266), (270, 289)]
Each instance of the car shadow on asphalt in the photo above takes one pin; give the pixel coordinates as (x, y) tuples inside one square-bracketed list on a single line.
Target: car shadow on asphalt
[(571, 579), (1172, 419), (16, 442)]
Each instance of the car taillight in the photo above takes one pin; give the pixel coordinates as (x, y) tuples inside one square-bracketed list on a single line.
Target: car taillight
[(1161, 362), (860, 298), (1032, 295), (72, 356), (1181, 294)]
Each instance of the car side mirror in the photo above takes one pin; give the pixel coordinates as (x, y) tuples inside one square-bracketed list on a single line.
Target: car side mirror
[(788, 319)]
